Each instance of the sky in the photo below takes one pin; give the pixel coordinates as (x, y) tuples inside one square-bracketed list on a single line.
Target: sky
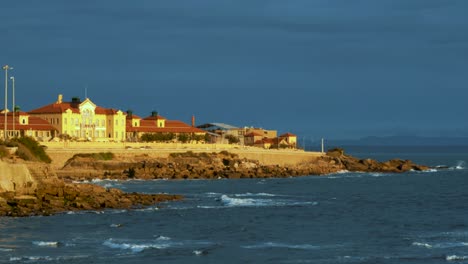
[(324, 68)]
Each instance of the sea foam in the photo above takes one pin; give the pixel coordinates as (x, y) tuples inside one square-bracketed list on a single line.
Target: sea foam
[(282, 245), (456, 258), (135, 247), (46, 243)]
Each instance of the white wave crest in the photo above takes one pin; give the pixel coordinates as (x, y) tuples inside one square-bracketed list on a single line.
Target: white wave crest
[(198, 252), (282, 245), (29, 259), (46, 243), (229, 201), (134, 247), (460, 165), (419, 244), (455, 258), (254, 194), (6, 249), (441, 245)]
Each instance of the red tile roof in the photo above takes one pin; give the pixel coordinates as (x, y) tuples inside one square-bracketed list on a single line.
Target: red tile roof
[(35, 123), (57, 108), (171, 126)]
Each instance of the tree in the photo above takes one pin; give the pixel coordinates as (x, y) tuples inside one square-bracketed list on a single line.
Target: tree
[(184, 138), (232, 139)]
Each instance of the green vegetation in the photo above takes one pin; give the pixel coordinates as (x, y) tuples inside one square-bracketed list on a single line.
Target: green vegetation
[(232, 139), (96, 156), (170, 137), (3, 151), (158, 137), (184, 138), (29, 149)]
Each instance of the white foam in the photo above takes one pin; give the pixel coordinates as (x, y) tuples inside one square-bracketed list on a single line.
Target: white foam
[(419, 244), (254, 194), (234, 202), (6, 249), (134, 247), (163, 238), (46, 243), (441, 245), (282, 245), (198, 252), (455, 258), (46, 258), (460, 165)]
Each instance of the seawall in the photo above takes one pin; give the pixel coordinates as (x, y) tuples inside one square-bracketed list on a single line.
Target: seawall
[(60, 152)]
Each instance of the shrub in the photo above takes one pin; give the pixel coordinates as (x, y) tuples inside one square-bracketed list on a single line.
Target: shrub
[(29, 149), (96, 156), (3, 151), (232, 139)]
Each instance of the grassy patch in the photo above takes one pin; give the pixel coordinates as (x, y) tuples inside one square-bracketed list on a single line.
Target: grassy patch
[(96, 156), (29, 149)]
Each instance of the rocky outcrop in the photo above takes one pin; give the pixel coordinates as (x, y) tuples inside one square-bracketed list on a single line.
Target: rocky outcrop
[(32, 188), (218, 165), (351, 163)]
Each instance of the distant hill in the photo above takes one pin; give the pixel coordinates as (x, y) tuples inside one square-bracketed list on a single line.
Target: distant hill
[(399, 141)]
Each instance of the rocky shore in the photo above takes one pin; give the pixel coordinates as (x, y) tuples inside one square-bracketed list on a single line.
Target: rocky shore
[(219, 165), (36, 190), (44, 191)]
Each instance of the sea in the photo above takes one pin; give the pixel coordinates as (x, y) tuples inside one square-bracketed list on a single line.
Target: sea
[(347, 217)]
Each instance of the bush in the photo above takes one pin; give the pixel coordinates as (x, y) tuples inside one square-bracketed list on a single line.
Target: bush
[(157, 137), (96, 156), (3, 151), (232, 139), (29, 149)]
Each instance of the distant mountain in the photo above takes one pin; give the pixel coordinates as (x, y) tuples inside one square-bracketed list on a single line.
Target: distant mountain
[(399, 141)]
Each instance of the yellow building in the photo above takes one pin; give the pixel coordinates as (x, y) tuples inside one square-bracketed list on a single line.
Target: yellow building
[(83, 120)]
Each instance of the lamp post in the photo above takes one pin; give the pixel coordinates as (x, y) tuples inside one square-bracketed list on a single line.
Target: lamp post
[(6, 68), (12, 78)]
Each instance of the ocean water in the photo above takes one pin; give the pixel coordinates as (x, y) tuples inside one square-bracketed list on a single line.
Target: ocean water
[(415, 217)]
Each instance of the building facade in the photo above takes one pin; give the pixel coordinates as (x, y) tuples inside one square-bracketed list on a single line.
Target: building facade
[(83, 120)]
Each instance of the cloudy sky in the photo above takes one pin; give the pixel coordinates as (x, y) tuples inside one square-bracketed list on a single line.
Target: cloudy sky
[(322, 68)]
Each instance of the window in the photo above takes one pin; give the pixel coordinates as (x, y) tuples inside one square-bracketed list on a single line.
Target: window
[(116, 122), (65, 121), (24, 121)]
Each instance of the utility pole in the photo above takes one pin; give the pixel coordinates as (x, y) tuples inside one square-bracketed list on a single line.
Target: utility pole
[(6, 68), (322, 146), (13, 103)]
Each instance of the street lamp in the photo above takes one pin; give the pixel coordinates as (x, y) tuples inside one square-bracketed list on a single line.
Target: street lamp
[(6, 68), (12, 78)]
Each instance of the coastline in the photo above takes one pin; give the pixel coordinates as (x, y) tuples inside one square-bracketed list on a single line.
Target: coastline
[(51, 188)]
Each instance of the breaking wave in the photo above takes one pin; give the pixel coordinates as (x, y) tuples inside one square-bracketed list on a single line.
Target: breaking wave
[(137, 247), (456, 258), (282, 245), (260, 202), (46, 243)]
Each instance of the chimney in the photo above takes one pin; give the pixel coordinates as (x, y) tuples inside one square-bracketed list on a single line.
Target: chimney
[(193, 120), (154, 114), (59, 99), (129, 113)]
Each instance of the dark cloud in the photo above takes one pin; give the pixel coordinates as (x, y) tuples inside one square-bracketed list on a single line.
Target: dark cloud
[(334, 68)]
